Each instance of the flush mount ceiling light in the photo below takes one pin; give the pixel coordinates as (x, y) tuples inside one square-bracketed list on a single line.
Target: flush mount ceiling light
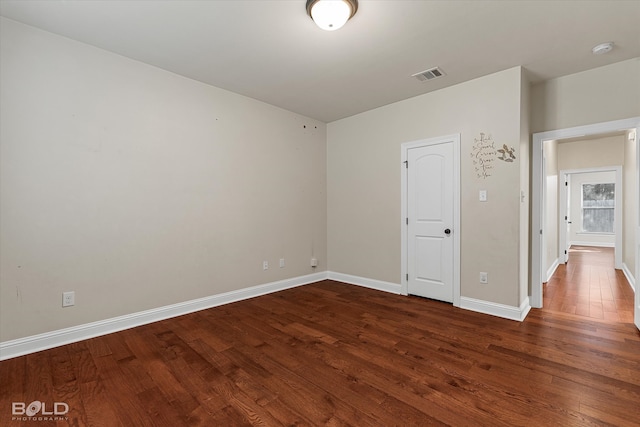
[(602, 48), (331, 14)]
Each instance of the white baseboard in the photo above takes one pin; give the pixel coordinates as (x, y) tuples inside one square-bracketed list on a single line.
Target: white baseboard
[(486, 307), (495, 309), (629, 275), (34, 343), (31, 344), (552, 269), (595, 244), (394, 288)]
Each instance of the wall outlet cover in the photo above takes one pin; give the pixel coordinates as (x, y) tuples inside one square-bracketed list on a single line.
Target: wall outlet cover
[(484, 277), (68, 299)]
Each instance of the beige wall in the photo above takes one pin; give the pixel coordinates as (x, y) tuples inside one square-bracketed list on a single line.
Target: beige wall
[(598, 95), (630, 205), (591, 153), (138, 188), (525, 159), (551, 214), (363, 155)]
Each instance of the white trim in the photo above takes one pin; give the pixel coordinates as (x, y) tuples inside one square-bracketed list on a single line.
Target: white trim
[(636, 303), (485, 307), (563, 205), (537, 204), (31, 344), (404, 153), (595, 244), (500, 310), (552, 269), (629, 275), (378, 285)]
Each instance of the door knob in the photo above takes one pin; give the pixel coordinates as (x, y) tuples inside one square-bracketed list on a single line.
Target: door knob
[(447, 231)]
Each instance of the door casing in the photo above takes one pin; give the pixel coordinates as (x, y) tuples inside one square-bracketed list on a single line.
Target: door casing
[(565, 216)]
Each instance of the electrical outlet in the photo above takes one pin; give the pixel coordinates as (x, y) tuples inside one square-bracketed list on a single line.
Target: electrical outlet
[(265, 265), (314, 262), (281, 262), (484, 277), (68, 299)]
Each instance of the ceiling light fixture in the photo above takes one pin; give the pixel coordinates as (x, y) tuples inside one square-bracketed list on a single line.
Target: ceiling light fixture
[(602, 48), (331, 14)]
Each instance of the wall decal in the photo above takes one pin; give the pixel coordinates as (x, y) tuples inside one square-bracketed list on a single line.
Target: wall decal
[(507, 154), (484, 154)]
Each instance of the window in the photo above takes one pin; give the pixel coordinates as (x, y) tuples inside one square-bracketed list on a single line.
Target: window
[(598, 208)]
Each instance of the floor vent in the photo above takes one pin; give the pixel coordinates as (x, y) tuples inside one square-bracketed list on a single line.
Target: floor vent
[(430, 74)]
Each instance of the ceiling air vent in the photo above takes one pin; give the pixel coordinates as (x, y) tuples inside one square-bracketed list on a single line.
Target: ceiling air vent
[(430, 74)]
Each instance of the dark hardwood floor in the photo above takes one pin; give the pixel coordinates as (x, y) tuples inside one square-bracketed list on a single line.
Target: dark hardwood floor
[(336, 354)]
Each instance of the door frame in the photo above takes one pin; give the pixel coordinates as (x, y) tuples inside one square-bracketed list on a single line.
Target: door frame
[(563, 238), (563, 204), (636, 289), (405, 147), (537, 203)]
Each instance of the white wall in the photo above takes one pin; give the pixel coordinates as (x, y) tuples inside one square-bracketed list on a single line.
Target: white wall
[(364, 184), (138, 188), (576, 234)]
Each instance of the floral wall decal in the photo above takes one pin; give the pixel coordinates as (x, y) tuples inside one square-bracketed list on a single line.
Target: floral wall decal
[(507, 154)]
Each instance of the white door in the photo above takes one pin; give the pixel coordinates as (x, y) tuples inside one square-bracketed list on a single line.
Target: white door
[(430, 219)]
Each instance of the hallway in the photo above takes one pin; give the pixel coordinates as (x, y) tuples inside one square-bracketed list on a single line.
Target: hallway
[(589, 286)]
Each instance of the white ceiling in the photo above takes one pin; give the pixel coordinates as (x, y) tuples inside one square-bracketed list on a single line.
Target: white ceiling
[(272, 51)]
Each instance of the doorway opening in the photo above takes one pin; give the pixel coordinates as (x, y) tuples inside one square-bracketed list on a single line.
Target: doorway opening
[(589, 215), (539, 228)]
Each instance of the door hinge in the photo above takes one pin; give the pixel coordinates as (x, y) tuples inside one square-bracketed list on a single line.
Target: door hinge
[(407, 277), (565, 252), (566, 184), (565, 218), (406, 164), (540, 231), (407, 221)]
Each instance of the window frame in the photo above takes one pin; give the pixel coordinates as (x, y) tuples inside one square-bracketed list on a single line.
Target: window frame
[(612, 208)]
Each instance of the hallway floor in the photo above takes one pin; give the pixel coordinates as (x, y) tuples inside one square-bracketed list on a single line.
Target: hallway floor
[(589, 285)]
